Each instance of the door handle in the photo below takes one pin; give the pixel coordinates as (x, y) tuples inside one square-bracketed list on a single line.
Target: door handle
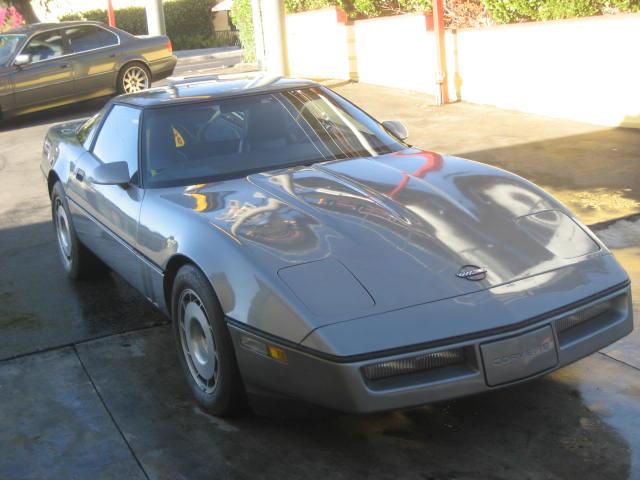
[(113, 55), (80, 175), (65, 65)]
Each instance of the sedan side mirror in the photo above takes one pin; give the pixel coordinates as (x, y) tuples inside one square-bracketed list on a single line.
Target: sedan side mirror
[(22, 59), (396, 128), (116, 173)]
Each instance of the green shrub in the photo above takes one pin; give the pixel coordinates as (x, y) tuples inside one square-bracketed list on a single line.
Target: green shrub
[(510, 11), (378, 8), (623, 5), (356, 9), (242, 18), (295, 6), (130, 19), (188, 22)]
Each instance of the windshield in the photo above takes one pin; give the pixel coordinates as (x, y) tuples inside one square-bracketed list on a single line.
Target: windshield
[(186, 144), (8, 46)]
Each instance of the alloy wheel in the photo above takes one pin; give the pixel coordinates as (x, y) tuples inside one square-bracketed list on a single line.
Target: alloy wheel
[(135, 79)]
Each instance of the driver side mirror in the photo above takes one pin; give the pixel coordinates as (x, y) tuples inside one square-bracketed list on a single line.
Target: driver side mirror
[(116, 173), (396, 128), (22, 59)]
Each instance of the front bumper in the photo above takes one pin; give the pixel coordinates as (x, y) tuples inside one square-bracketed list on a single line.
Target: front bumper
[(341, 384)]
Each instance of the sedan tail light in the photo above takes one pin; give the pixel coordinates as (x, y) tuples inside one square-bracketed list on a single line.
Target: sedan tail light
[(169, 46)]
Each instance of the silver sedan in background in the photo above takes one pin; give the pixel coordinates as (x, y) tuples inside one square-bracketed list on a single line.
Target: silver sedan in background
[(303, 249), (50, 64)]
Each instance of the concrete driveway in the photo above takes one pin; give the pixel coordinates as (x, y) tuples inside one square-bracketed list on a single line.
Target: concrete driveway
[(90, 385)]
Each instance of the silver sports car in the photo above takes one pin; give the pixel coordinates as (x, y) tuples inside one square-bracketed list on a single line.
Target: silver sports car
[(304, 250)]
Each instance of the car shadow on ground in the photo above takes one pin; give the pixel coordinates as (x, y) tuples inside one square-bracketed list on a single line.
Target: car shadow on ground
[(40, 308)]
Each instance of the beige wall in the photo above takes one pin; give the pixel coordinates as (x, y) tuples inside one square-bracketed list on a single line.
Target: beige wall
[(396, 52), (221, 21), (318, 44), (584, 69)]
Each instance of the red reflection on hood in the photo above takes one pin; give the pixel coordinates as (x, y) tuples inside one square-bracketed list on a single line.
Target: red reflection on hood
[(432, 162)]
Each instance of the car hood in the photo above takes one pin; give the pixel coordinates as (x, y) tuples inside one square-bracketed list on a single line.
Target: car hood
[(362, 236)]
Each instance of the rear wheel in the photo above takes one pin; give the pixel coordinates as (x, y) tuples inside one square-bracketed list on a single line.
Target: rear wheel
[(204, 344), (134, 77), (76, 259)]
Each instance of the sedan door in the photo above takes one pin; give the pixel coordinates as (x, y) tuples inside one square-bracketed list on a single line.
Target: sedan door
[(95, 59), (106, 216), (48, 78)]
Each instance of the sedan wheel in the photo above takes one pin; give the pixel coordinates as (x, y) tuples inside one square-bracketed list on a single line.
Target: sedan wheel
[(135, 79), (197, 341)]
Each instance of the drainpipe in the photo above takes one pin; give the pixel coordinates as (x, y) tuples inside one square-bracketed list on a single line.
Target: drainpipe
[(442, 92), (111, 15)]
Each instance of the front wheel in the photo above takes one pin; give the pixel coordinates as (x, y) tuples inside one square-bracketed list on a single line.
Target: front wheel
[(204, 345), (134, 78)]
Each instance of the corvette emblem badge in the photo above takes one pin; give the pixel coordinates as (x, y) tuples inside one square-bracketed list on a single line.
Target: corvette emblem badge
[(472, 272)]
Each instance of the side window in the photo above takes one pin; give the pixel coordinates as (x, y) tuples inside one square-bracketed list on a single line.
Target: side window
[(107, 39), (118, 138), (45, 46), (85, 38)]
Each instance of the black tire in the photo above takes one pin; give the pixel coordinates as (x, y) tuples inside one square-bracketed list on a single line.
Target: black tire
[(77, 260), (195, 307), (121, 86)]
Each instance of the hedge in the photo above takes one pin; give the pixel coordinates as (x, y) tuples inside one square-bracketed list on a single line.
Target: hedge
[(510, 11), (189, 22), (357, 9), (242, 18)]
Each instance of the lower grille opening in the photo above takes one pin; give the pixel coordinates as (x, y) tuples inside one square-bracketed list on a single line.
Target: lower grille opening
[(591, 319), (420, 369)]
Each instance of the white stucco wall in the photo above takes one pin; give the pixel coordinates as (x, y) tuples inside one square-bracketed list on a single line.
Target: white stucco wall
[(583, 69)]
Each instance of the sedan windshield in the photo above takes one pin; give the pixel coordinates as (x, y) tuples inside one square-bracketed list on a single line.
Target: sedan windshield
[(186, 144), (8, 46)]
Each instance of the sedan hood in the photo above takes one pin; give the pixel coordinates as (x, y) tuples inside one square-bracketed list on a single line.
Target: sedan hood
[(363, 236)]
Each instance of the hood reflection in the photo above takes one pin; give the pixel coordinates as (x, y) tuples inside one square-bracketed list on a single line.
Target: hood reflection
[(403, 223)]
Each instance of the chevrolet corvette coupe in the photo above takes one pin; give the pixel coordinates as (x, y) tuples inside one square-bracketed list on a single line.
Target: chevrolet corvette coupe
[(50, 64), (304, 250)]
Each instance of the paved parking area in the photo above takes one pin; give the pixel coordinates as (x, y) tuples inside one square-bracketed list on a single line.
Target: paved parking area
[(90, 385)]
